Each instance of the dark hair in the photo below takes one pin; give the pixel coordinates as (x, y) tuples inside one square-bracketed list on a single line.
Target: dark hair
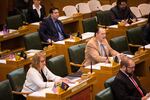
[(119, 1), (52, 9)]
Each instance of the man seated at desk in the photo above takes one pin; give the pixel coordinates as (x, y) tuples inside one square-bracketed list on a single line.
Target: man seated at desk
[(39, 76), (97, 49), (126, 86), (36, 12), (51, 29), (121, 12)]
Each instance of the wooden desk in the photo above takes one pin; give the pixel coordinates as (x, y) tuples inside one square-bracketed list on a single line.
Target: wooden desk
[(13, 40), (82, 91), (102, 75), (71, 25), (12, 65), (115, 30)]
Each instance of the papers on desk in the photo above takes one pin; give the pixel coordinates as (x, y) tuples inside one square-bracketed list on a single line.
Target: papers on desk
[(130, 56), (32, 52), (3, 61), (42, 93), (139, 20), (146, 46), (87, 35), (36, 23), (98, 66), (60, 42), (63, 17), (10, 31), (113, 26)]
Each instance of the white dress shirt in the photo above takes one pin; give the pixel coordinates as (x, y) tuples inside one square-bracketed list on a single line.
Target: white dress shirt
[(37, 9), (34, 80)]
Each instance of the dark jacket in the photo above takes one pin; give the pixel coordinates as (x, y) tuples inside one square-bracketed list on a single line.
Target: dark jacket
[(123, 88), (118, 14), (32, 15), (48, 31)]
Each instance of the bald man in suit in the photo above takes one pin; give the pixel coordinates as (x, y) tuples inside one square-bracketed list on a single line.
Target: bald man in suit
[(97, 49)]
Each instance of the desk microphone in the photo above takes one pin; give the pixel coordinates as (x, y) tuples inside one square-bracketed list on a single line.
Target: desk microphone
[(91, 68)]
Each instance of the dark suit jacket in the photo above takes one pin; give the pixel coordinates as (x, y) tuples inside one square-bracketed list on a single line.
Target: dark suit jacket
[(118, 14), (48, 31), (32, 15), (124, 89)]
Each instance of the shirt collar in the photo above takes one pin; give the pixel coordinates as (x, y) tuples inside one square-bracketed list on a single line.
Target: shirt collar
[(35, 7)]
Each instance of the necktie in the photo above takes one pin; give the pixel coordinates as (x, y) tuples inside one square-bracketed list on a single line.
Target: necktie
[(43, 76), (103, 51), (136, 85), (61, 37)]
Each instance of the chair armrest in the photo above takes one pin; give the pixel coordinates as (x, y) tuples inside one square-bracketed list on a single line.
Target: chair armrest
[(21, 93), (135, 45), (78, 65)]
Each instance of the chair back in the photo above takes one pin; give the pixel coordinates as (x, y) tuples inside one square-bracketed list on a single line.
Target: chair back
[(70, 10), (144, 9), (105, 94), (14, 22), (17, 79), (5, 90), (57, 65), (136, 12), (33, 41), (109, 82), (94, 5), (135, 35), (104, 17), (83, 8), (106, 7), (76, 55), (120, 44), (89, 24)]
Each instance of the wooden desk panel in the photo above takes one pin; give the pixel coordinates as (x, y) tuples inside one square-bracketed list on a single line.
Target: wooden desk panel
[(83, 91), (121, 30)]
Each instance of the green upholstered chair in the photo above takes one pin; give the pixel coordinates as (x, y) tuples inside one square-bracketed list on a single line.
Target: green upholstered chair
[(89, 24), (33, 41), (5, 90), (104, 18), (57, 65), (135, 38), (108, 82), (17, 79), (105, 94), (14, 22), (76, 56), (120, 44)]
